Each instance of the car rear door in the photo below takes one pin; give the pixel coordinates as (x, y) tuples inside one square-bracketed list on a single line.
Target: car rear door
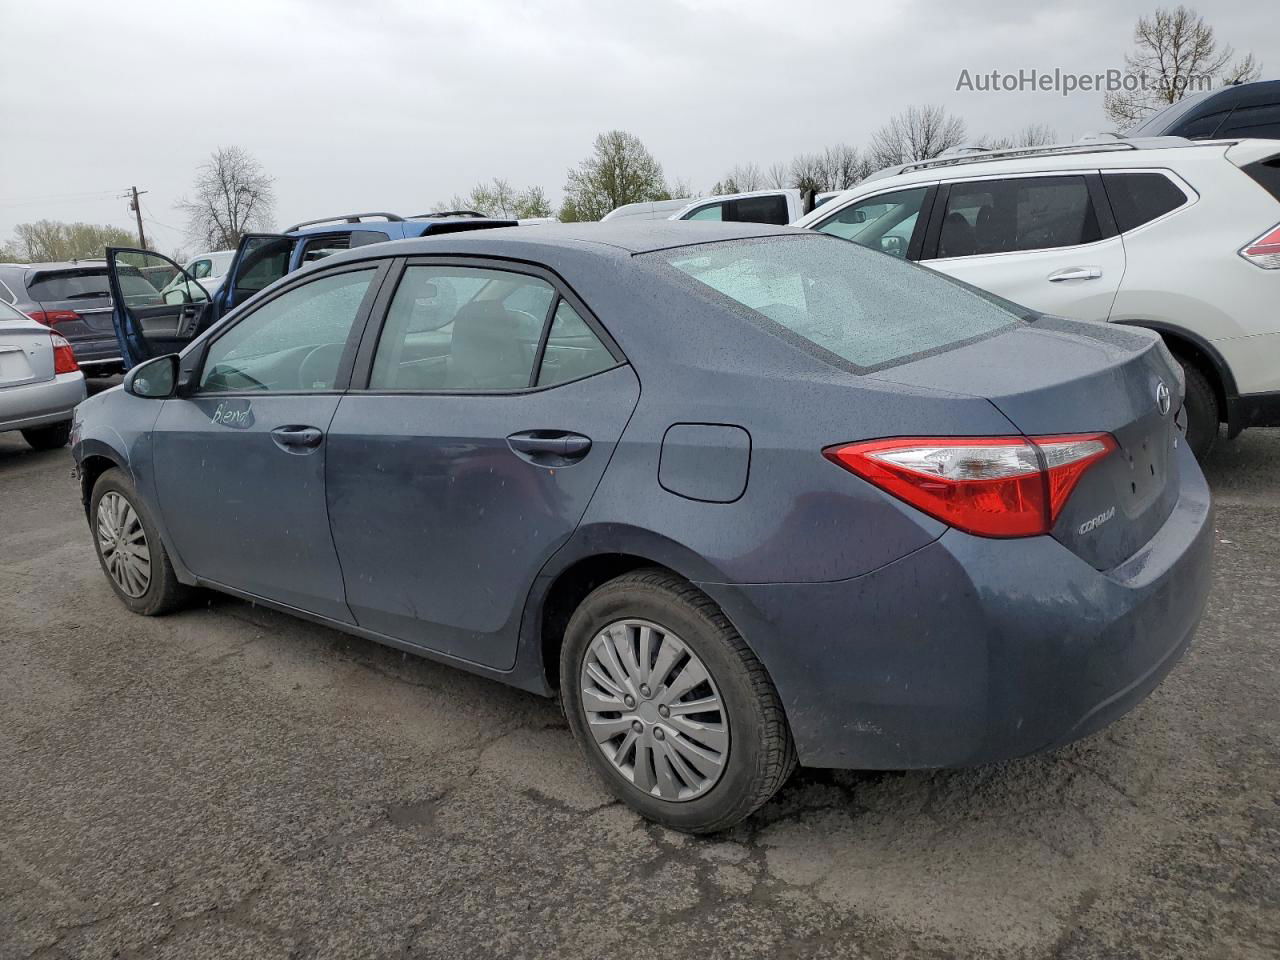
[(1047, 242), (480, 421), (149, 322)]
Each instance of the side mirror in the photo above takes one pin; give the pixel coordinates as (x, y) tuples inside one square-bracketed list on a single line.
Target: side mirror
[(153, 380), (859, 216), (892, 245)]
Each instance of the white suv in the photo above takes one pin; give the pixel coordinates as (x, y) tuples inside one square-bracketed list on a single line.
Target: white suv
[(1179, 236)]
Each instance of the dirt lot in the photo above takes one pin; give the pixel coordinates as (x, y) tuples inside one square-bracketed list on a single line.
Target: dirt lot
[(231, 782)]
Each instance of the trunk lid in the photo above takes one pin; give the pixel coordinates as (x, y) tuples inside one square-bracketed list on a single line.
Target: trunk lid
[(1056, 376), (26, 353)]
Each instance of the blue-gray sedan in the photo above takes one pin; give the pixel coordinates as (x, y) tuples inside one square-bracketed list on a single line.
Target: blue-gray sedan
[(741, 496)]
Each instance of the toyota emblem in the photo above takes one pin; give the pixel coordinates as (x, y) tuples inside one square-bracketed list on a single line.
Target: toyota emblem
[(1164, 399)]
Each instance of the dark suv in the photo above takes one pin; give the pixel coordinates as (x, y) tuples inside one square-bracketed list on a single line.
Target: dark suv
[(1245, 110), (73, 299)]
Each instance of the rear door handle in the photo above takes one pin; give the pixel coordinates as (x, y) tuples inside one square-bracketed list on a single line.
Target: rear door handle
[(304, 438), (1076, 273), (549, 447)]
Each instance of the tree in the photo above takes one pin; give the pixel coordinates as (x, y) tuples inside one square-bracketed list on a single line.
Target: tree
[(499, 199), (836, 167), (777, 175), (918, 133), (54, 240), (233, 196), (741, 179), (620, 170), (1176, 54), (1032, 135)]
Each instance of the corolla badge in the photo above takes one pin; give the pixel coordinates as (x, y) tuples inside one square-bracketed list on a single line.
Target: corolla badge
[(1164, 400)]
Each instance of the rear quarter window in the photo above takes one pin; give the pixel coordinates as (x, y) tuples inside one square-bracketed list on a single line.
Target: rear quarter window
[(1138, 198), (854, 307)]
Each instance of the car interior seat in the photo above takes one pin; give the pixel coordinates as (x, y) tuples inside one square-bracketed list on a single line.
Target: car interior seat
[(487, 349), (957, 239)]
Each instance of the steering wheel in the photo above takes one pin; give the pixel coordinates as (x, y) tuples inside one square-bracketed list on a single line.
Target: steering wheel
[(319, 360)]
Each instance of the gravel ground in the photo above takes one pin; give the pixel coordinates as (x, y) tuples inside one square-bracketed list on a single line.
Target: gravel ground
[(231, 782)]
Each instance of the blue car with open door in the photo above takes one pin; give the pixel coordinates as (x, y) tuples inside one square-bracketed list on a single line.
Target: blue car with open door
[(152, 319)]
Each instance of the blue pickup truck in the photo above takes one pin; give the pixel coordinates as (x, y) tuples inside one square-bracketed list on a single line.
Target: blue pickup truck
[(150, 323)]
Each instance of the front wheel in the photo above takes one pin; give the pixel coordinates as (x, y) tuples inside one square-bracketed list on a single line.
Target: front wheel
[(129, 548), (671, 708)]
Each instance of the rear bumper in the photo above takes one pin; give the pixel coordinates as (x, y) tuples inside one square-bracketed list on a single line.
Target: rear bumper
[(972, 650), (40, 404), (97, 351)]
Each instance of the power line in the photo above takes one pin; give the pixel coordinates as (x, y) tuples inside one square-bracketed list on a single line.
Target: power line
[(58, 198)]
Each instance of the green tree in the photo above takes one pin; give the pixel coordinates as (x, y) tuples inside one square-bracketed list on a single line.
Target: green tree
[(620, 170), (55, 240), (497, 198)]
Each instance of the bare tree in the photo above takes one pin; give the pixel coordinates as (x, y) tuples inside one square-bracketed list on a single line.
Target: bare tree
[(233, 196), (1032, 135), (620, 170), (742, 178), (776, 176), (1176, 54), (499, 199), (809, 172), (918, 133)]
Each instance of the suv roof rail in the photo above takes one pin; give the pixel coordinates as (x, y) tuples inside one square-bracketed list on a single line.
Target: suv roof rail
[(347, 218), (1016, 152), (439, 214)]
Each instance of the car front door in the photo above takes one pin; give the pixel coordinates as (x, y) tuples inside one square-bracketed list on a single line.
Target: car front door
[(1046, 242), (156, 307), (486, 411), (240, 455), (261, 259)]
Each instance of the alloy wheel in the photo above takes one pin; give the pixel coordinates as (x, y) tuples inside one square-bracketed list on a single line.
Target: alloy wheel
[(654, 710), (122, 543)]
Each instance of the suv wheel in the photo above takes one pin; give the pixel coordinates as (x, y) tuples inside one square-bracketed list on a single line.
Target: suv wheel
[(48, 438), (1201, 409), (129, 548), (670, 706)]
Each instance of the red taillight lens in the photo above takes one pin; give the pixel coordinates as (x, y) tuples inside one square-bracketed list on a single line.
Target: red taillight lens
[(50, 317), (989, 486), (1265, 251), (64, 357)]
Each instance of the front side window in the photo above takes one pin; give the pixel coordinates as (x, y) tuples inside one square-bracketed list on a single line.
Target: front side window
[(1023, 213), (884, 222), (1138, 198), (200, 269), (461, 328), (292, 343), (866, 310), (714, 211)]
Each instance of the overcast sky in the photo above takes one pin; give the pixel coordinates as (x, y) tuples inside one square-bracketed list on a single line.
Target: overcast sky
[(392, 105)]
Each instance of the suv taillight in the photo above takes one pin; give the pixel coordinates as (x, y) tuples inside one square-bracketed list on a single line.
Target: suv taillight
[(989, 486), (1265, 251), (64, 357), (50, 317)]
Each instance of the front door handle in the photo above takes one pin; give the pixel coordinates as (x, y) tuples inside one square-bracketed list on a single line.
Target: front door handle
[(1076, 273), (549, 447), (297, 439)]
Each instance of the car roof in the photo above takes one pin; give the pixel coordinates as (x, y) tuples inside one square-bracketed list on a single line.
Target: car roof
[(613, 238)]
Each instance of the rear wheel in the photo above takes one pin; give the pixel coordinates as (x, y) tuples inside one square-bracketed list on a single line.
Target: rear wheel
[(671, 708), (129, 548), (1201, 410), (48, 438)]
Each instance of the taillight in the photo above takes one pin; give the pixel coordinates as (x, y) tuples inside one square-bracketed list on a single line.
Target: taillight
[(989, 486), (64, 357), (50, 317), (1265, 251)]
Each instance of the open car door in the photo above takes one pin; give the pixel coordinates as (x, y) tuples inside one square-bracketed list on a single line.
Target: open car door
[(261, 260), (156, 307)]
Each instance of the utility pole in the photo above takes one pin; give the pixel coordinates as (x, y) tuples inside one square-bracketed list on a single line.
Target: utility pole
[(136, 207)]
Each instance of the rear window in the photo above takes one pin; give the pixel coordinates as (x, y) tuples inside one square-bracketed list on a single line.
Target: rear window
[(841, 301), (1138, 198), (69, 285), (10, 313)]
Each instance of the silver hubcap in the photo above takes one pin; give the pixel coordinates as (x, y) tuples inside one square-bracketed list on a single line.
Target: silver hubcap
[(123, 544), (654, 711)]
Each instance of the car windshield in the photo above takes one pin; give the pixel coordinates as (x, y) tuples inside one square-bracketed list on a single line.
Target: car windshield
[(860, 306)]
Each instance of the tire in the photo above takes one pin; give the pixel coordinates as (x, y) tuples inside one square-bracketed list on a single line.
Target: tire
[(758, 753), (1202, 413), (48, 438), (162, 592)]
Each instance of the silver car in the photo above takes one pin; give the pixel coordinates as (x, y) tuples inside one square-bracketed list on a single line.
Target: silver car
[(40, 381)]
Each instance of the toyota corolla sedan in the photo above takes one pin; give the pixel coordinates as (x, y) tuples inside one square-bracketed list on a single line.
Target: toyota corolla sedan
[(741, 496)]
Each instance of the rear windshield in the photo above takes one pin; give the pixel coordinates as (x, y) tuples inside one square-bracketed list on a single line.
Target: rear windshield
[(69, 285), (862, 308), (10, 313)]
